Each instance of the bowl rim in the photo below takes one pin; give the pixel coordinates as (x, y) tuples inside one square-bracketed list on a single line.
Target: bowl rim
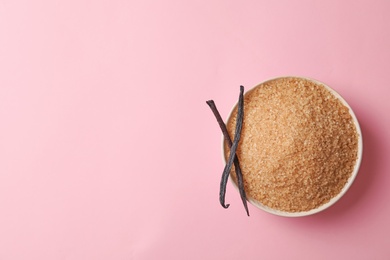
[(351, 179)]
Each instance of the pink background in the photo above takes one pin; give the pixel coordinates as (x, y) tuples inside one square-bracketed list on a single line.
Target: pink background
[(109, 151)]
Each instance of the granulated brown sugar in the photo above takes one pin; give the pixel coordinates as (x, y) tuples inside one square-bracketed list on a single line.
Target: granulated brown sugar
[(298, 144)]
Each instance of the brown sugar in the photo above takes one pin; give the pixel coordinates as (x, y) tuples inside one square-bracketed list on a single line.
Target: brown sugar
[(298, 144)]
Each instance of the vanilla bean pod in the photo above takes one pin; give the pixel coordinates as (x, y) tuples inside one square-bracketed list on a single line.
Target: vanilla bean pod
[(233, 147)]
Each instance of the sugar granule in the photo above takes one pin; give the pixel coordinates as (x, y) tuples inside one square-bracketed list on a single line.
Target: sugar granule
[(298, 144)]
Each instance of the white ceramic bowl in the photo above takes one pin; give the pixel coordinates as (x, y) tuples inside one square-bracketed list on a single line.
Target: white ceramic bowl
[(347, 185)]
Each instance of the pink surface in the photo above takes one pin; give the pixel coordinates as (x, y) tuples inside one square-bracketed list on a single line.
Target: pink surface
[(108, 150)]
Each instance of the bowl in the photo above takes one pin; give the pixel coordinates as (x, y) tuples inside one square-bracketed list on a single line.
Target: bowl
[(348, 183)]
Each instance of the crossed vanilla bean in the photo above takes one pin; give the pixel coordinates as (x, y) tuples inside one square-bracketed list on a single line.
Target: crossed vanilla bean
[(233, 147)]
